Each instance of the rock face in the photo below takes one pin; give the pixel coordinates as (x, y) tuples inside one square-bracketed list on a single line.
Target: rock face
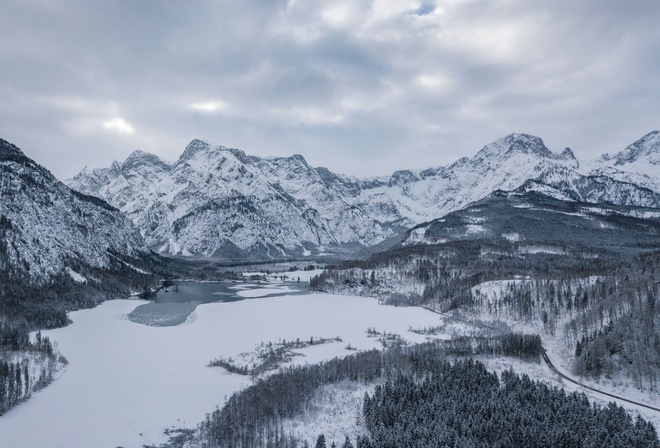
[(47, 229), (217, 201)]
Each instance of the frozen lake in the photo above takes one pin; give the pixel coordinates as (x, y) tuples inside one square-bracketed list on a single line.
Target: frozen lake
[(127, 382)]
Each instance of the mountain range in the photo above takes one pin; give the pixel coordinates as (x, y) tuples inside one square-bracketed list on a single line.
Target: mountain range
[(220, 202)]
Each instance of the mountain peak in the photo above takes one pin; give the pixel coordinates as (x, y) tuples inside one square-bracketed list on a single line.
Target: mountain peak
[(204, 146), (140, 158), (645, 146), (194, 147), (515, 143), (567, 154), (139, 154)]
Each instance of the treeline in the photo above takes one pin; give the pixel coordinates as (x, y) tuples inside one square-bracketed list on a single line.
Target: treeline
[(462, 404), (33, 371), (611, 320), (254, 416), (14, 384), (512, 344)]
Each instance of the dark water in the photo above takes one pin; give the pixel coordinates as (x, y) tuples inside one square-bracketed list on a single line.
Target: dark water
[(173, 305)]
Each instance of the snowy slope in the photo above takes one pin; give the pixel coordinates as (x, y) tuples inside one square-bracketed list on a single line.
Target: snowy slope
[(638, 164), (504, 164), (46, 228), (217, 201)]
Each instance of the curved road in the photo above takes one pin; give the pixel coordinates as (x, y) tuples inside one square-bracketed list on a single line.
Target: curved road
[(554, 369), (567, 378)]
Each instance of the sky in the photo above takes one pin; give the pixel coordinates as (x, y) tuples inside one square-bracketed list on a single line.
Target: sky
[(362, 87)]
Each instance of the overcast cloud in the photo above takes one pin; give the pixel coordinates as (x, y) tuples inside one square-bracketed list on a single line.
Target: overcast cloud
[(362, 87)]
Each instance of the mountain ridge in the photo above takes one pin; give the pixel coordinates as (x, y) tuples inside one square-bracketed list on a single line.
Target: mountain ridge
[(293, 209)]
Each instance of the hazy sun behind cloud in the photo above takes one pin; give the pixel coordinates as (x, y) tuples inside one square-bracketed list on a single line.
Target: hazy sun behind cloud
[(210, 107), (119, 125)]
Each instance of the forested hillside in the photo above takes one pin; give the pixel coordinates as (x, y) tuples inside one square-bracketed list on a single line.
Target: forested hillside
[(56, 243), (420, 399), (596, 291)]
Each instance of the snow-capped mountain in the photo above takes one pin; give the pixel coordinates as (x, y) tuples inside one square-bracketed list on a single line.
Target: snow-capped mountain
[(541, 223), (638, 164), (504, 164), (47, 229), (217, 201), (123, 182)]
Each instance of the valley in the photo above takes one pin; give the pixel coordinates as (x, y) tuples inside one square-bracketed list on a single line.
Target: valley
[(331, 224), (294, 273), (127, 383)]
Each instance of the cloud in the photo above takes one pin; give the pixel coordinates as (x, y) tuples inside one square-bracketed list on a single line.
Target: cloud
[(118, 125), (361, 87)]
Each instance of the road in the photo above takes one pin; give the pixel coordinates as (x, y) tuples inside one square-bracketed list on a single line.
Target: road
[(562, 375), (554, 369)]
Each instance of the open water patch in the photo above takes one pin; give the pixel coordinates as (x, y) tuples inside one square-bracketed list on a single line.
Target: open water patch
[(162, 314), (173, 305)]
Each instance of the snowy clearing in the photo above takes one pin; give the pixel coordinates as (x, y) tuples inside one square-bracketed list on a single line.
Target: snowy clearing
[(335, 411)]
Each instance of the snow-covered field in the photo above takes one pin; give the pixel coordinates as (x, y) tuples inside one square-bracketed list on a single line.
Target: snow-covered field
[(127, 382)]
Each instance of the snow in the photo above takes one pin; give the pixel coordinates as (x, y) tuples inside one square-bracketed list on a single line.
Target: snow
[(539, 249), (474, 228), (126, 382), (76, 276), (155, 195), (136, 269), (495, 290), (262, 292), (305, 276), (645, 214), (276, 277), (336, 412), (417, 236)]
